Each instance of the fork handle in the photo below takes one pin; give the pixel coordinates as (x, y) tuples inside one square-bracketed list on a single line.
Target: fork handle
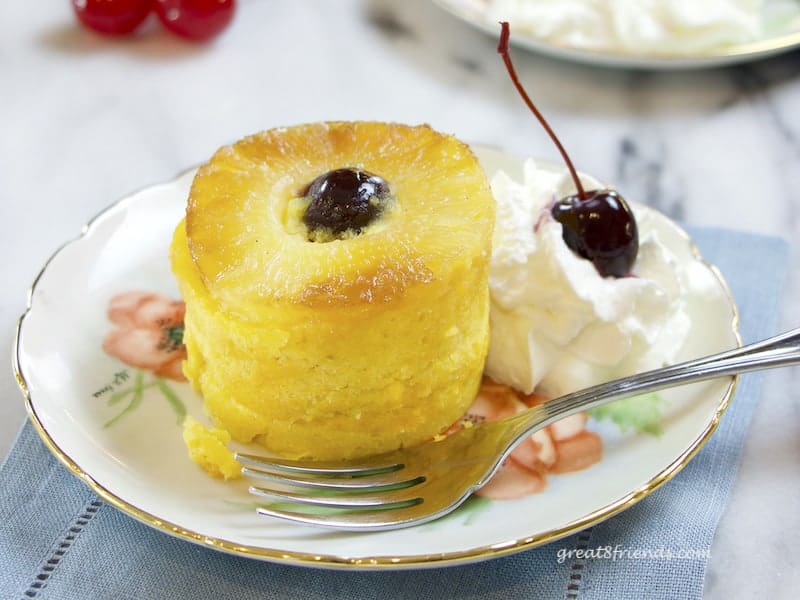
[(780, 351)]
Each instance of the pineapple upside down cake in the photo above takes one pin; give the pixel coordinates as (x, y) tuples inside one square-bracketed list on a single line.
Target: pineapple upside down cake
[(336, 285)]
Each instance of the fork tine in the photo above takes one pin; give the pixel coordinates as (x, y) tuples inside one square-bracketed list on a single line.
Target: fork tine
[(374, 483), (352, 468), (360, 501)]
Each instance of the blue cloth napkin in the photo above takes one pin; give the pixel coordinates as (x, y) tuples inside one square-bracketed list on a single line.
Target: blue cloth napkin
[(58, 541)]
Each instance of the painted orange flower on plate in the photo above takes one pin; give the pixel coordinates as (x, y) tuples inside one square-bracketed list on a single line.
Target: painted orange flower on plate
[(148, 334), (562, 447)]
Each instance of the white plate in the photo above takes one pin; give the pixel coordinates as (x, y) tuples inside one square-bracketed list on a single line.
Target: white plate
[(139, 464), (782, 34)]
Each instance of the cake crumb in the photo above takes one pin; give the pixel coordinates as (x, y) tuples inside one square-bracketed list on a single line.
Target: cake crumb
[(208, 449)]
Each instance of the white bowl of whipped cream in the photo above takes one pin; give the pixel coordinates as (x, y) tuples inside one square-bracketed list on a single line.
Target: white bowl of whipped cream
[(642, 33)]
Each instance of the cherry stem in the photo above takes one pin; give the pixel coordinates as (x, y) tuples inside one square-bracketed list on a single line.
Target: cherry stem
[(502, 49)]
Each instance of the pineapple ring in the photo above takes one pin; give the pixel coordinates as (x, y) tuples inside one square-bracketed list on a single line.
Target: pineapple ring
[(241, 245)]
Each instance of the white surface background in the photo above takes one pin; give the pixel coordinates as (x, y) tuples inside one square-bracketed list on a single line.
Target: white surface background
[(85, 120)]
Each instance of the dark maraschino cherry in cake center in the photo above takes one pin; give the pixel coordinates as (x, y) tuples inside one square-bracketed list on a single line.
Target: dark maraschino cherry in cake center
[(345, 200), (598, 225)]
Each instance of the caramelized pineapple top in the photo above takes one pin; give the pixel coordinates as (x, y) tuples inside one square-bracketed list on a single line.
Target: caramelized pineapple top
[(258, 211)]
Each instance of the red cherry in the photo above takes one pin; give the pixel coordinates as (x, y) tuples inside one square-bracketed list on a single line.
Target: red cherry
[(195, 19), (115, 17)]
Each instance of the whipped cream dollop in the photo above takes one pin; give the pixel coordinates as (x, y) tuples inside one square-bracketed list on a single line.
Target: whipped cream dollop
[(635, 26), (557, 325)]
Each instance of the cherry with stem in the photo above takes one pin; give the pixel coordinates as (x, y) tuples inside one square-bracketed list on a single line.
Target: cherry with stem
[(598, 225)]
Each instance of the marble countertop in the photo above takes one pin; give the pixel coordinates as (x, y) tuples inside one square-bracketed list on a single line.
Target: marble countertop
[(85, 120)]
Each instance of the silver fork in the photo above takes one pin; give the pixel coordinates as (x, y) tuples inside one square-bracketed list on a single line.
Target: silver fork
[(421, 483)]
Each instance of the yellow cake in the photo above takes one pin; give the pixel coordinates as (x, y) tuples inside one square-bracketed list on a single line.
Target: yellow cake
[(328, 342)]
